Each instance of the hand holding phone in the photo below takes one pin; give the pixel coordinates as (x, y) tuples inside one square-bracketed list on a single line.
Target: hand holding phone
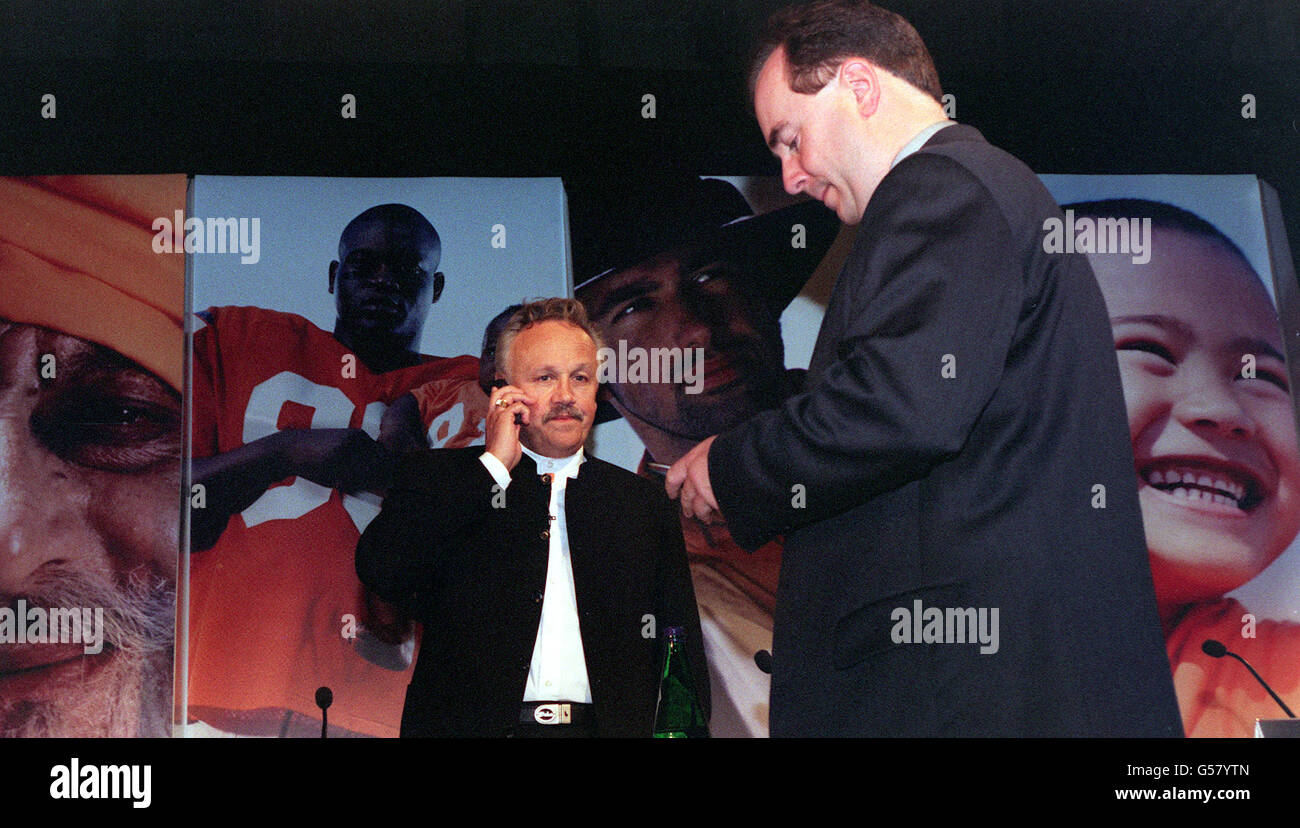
[(507, 414)]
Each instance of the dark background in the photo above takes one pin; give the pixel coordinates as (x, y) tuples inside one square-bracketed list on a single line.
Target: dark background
[(509, 87)]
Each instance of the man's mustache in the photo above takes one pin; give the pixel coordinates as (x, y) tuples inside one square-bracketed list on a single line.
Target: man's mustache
[(139, 614), (564, 410), (748, 356)]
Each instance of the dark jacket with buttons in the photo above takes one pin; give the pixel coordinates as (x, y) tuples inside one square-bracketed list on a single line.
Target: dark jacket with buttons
[(469, 562)]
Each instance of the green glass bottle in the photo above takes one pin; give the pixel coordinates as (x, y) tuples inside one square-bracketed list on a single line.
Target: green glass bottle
[(679, 715)]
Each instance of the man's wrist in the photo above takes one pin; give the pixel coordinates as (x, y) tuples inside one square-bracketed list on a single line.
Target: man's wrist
[(278, 450), (496, 467)]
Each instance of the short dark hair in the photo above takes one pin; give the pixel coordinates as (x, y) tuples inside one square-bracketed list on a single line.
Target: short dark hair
[(393, 215), (555, 309), (818, 37), (1163, 217)]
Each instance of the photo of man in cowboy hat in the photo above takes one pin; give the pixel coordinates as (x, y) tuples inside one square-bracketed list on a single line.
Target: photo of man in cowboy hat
[(681, 262)]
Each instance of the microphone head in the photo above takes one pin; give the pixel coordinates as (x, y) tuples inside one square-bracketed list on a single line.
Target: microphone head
[(1213, 648), (324, 697)]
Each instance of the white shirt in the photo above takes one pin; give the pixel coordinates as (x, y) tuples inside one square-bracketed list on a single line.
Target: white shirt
[(919, 139), (559, 668)]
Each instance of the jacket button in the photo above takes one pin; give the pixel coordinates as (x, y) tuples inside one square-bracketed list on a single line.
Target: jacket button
[(546, 534), (537, 597), (546, 480)]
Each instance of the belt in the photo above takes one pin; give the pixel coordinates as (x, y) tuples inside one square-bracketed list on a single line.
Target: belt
[(556, 713)]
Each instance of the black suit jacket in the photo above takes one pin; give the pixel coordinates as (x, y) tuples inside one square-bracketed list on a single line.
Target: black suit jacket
[(469, 562), (962, 442)]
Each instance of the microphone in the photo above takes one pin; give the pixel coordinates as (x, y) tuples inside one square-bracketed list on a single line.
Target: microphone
[(764, 661), (324, 698), (1216, 649)]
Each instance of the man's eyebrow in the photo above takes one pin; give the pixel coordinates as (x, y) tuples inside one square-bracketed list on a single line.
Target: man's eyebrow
[(580, 365), (95, 372), (82, 364), (79, 360), (632, 290), (774, 136), (707, 262)]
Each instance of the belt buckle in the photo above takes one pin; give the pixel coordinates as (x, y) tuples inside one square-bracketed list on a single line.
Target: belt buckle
[(552, 714)]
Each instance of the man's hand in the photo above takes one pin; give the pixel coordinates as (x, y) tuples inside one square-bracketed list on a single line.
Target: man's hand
[(339, 458), (400, 429), (503, 425), (689, 477)]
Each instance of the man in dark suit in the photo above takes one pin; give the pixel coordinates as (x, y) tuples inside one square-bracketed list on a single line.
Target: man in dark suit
[(541, 576), (964, 552)]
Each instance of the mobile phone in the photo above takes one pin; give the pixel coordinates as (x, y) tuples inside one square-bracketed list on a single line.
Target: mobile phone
[(500, 383)]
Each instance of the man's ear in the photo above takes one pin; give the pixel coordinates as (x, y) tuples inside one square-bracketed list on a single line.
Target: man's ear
[(334, 268), (861, 77), (438, 281)]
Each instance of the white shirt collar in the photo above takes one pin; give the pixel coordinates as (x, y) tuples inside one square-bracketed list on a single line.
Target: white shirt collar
[(919, 140), (561, 466)]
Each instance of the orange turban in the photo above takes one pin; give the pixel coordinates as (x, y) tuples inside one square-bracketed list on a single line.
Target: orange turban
[(76, 255)]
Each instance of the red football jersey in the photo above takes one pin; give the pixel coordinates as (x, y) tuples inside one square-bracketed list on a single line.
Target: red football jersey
[(275, 605)]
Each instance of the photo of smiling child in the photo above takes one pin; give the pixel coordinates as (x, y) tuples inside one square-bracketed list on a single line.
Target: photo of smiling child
[(1208, 393)]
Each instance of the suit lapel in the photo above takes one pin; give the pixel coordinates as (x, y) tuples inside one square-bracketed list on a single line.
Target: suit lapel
[(585, 508), (527, 488)]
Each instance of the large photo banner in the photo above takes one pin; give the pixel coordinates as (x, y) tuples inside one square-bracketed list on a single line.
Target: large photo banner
[(338, 325), (1192, 269), (341, 332), (91, 375)]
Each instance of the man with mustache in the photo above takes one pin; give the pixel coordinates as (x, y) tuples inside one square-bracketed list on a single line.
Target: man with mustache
[(91, 371), (291, 449), (541, 576), (668, 261)]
